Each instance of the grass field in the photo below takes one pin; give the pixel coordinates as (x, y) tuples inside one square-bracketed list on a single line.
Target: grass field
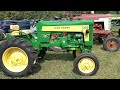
[(59, 65)]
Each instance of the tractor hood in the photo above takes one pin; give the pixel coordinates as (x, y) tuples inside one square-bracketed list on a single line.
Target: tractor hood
[(92, 16), (115, 17), (66, 22)]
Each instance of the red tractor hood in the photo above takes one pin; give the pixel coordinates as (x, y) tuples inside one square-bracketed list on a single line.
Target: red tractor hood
[(92, 16)]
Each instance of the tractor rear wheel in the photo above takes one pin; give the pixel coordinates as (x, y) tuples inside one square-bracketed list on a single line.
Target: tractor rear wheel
[(111, 44), (2, 35), (86, 64), (17, 57), (76, 53)]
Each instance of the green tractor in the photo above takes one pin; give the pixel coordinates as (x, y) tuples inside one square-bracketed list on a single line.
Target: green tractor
[(22, 49), (115, 20)]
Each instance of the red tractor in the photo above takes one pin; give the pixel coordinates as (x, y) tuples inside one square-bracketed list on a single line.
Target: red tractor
[(102, 28)]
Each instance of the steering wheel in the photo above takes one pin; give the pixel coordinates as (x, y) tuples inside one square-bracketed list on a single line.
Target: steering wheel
[(34, 23)]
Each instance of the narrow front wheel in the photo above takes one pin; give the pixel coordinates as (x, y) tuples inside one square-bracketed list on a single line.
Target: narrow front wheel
[(86, 64)]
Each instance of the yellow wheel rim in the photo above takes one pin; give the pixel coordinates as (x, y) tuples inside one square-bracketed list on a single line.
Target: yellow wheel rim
[(15, 59), (78, 52), (86, 65)]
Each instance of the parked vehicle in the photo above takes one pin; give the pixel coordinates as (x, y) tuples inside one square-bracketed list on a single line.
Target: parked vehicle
[(116, 22), (20, 52), (24, 24), (102, 29), (5, 24)]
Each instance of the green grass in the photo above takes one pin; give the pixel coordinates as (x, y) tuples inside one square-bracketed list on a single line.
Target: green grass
[(59, 65)]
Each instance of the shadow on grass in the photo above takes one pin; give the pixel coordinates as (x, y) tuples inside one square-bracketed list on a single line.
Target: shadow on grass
[(0, 70), (97, 43), (74, 71), (36, 69), (51, 55)]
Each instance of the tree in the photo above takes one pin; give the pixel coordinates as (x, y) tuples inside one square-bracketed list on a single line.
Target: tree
[(46, 15)]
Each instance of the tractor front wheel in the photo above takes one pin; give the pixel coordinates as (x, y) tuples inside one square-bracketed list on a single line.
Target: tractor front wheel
[(86, 64), (17, 57), (111, 44)]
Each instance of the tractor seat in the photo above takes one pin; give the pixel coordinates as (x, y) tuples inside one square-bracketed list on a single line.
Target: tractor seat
[(16, 28)]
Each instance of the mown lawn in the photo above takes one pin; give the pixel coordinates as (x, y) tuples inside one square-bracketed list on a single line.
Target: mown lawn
[(59, 65)]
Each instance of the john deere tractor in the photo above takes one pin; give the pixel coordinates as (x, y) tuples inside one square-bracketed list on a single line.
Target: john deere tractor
[(21, 49)]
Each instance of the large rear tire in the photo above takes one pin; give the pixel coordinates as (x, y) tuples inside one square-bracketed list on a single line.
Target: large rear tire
[(17, 57), (2, 35), (86, 64)]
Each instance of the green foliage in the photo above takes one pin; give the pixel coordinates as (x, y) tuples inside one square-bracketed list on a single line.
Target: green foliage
[(46, 15), (102, 12), (29, 14)]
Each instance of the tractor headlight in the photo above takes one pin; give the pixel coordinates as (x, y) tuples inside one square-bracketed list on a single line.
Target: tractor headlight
[(87, 31)]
